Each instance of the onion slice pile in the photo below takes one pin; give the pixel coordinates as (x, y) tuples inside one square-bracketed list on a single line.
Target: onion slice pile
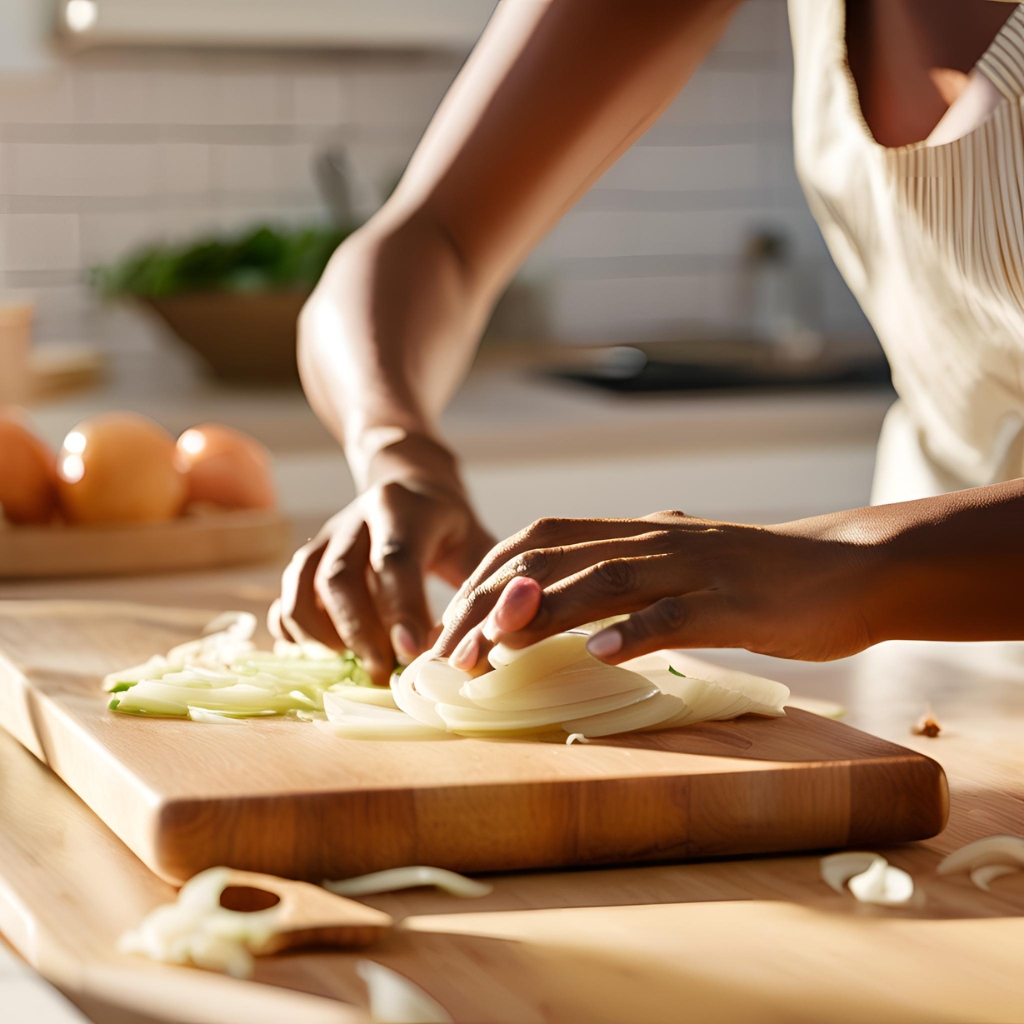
[(556, 684), (553, 686), (222, 677)]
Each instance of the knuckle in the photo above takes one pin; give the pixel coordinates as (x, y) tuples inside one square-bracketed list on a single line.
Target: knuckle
[(531, 563), (615, 576), (395, 551), (545, 527), (668, 615)]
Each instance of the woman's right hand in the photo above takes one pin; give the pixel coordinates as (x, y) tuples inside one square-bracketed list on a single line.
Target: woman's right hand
[(359, 583)]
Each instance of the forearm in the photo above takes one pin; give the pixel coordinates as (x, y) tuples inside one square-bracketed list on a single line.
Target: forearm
[(944, 568), (387, 336), (553, 93)]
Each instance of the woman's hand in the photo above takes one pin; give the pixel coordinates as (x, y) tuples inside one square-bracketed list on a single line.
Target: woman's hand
[(359, 584), (793, 591)]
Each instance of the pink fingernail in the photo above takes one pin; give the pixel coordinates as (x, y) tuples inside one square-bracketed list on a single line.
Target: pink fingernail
[(605, 644), (467, 652), (404, 643)]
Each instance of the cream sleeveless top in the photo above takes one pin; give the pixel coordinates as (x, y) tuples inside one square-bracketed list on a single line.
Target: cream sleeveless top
[(930, 239)]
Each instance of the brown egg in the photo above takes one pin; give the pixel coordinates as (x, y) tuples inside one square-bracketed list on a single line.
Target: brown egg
[(120, 467), (28, 480), (226, 467)]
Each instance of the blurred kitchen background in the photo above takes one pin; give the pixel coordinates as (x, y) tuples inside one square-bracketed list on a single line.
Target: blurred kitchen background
[(682, 339)]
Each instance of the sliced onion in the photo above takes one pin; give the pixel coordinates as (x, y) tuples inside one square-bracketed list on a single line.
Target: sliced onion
[(480, 721), (366, 721), (645, 714), (396, 1000), (376, 695), (586, 680), (413, 877), (1008, 850)]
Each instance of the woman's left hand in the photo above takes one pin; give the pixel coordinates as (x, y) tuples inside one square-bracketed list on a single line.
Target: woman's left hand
[(797, 590)]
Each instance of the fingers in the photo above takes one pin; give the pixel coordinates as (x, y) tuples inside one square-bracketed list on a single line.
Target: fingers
[(546, 566), (515, 609), (299, 613), (397, 560), (600, 591), (343, 589), (545, 534), (700, 619)]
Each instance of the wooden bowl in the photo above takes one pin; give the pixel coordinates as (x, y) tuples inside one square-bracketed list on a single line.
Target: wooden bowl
[(192, 542), (245, 337)]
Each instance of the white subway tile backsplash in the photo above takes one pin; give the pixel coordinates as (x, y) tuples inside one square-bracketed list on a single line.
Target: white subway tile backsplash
[(242, 169), (256, 98), (39, 241), (120, 148), (83, 170), (322, 98), (115, 96), (716, 97), (398, 98), (641, 309), (183, 169), (39, 97), (108, 236), (682, 168)]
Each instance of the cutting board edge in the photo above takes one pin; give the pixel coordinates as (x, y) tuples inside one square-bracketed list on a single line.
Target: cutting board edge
[(677, 835)]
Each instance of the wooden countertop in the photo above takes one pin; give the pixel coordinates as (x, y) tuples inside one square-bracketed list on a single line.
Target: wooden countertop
[(741, 940), (505, 410)]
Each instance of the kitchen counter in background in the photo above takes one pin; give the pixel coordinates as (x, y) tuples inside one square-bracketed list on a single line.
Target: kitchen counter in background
[(534, 446)]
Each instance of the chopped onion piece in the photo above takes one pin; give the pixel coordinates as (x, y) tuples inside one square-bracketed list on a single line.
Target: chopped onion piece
[(575, 737), (197, 929), (223, 672), (983, 877), (839, 868), (870, 877), (212, 717), (410, 878), (396, 1000), (1008, 850), (882, 884)]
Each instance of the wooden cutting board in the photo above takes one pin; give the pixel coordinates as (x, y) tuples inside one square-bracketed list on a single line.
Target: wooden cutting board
[(282, 797)]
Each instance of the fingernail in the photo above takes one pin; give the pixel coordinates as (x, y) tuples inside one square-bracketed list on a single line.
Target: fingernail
[(503, 615), (605, 644), (467, 652), (404, 643)]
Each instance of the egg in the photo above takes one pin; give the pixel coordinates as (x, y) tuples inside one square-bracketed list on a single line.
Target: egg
[(226, 467), (120, 467), (28, 481)]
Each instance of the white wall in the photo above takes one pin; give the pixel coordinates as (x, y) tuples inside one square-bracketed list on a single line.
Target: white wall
[(106, 151)]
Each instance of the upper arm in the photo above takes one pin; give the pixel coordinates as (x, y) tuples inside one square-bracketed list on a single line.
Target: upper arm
[(553, 93)]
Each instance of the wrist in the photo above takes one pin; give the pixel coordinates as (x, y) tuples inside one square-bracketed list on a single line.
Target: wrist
[(386, 454)]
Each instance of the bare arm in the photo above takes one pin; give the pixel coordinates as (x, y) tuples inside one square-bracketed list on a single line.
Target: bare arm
[(944, 568), (553, 93)]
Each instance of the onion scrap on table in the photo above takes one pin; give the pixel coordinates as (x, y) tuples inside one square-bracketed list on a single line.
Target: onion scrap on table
[(553, 686)]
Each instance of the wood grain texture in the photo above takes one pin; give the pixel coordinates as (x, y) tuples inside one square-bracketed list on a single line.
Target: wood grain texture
[(283, 798), (761, 941), (193, 542), (308, 914)]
